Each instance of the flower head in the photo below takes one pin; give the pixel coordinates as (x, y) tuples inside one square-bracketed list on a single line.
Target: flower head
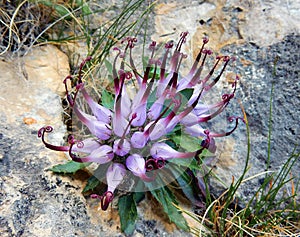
[(135, 135)]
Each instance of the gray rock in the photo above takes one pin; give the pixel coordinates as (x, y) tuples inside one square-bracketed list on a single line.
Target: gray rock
[(277, 64)]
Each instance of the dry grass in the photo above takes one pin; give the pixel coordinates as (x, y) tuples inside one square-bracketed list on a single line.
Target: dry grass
[(21, 23)]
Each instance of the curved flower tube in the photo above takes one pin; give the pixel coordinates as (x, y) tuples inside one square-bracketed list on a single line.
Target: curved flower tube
[(114, 176), (101, 155), (164, 151)]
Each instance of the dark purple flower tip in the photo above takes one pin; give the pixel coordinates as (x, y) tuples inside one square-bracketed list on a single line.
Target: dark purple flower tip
[(227, 97), (71, 140), (205, 143), (42, 131), (184, 34), (226, 58), (160, 163), (69, 77), (106, 199), (69, 97), (117, 49), (207, 51), (95, 196), (152, 45), (205, 40), (133, 116), (150, 164), (87, 59), (236, 118), (169, 45), (130, 41), (128, 75)]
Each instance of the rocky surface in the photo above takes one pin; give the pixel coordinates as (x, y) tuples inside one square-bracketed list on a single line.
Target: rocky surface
[(35, 202)]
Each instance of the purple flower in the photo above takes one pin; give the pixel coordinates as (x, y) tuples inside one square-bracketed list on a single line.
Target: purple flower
[(136, 164), (147, 121)]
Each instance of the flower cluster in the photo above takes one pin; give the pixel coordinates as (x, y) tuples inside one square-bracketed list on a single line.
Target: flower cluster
[(164, 101)]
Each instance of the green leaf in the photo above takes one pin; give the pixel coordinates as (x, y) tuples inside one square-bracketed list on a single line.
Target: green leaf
[(188, 185), (139, 196), (107, 99), (128, 213), (69, 167), (187, 142), (157, 73), (187, 93), (166, 199), (92, 183), (184, 162)]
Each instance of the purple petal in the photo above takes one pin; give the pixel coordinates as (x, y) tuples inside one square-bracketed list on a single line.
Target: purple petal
[(125, 103), (140, 112), (164, 151), (114, 176), (102, 114), (98, 128), (189, 120), (86, 146), (156, 108), (102, 155), (159, 130), (162, 85), (121, 147), (200, 109), (195, 130), (212, 145), (139, 140), (119, 125), (136, 164)]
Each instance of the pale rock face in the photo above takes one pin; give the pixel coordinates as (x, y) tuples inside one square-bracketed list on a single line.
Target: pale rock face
[(32, 85), (268, 22), (226, 22)]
